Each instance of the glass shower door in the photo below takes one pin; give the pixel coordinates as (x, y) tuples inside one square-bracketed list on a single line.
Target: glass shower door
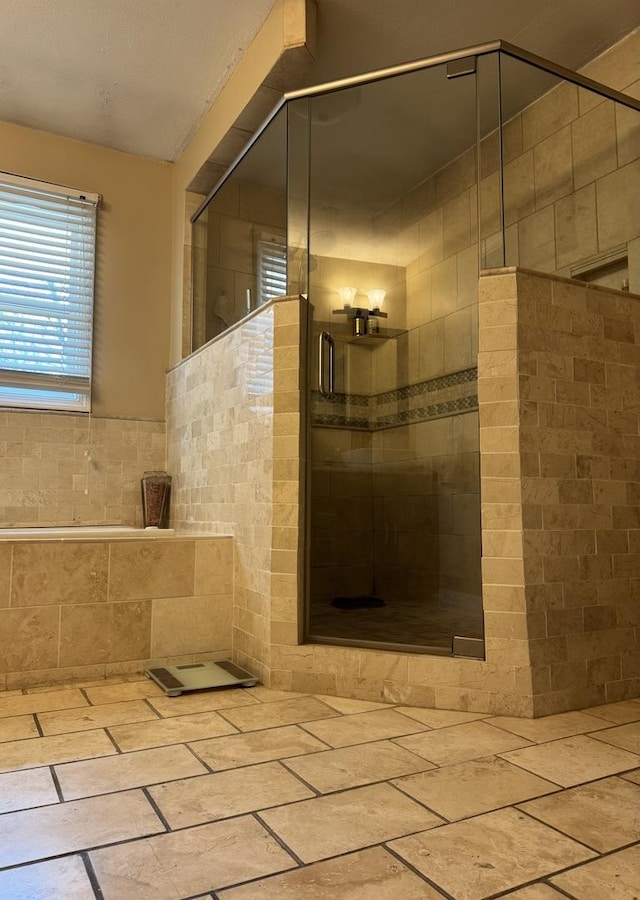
[(393, 463)]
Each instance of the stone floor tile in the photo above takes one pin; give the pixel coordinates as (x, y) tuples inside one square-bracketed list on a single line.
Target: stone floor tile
[(178, 729), (34, 834), (17, 728), (364, 875), (26, 789), (337, 823), (335, 770), (534, 892), (126, 690), (619, 713), (494, 852), (283, 712), (473, 787), (625, 736), (256, 746), (57, 748), (63, 722), (269, 695), (615, 877), (184, 863), (632, 776), (348, 706), (194, 801), (604, 815), (460, 743), (440, 718), (126, 770), (57, 879), (549, 728), (361, 728), (573, 760), (19, 705), (201, 701)]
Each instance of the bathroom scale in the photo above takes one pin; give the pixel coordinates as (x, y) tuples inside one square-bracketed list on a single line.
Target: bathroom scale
[(200, 676)]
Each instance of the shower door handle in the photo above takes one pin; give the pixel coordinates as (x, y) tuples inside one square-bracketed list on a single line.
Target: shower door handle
[(326, 373)]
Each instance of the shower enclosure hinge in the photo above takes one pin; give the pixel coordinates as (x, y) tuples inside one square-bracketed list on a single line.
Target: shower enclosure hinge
[(472, 648), (458, 67)]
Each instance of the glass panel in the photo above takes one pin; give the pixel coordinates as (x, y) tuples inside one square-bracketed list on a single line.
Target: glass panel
[(239, 240), (571, 179), (394, 468)]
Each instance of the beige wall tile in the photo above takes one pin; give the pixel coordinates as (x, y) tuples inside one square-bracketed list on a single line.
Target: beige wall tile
[(553, 170), (190, 624), (47, 573), (618, 206), (28, 638), (594, 144), (141, 569), (106, 632)]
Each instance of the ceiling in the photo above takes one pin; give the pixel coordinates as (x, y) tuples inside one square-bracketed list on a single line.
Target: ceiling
[(138, 75)]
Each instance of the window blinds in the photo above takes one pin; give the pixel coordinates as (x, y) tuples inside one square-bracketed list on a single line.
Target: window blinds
[(47, 263), (272, 267)]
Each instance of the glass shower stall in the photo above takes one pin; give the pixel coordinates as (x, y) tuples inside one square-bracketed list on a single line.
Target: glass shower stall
[(379, 199)]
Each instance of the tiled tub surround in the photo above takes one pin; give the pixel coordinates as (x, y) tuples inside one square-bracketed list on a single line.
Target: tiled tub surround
[(59, 469), (91, 607), (114, 790), (233, 413)]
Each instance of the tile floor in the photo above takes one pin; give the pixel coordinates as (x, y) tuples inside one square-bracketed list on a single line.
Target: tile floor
[(112, 791)]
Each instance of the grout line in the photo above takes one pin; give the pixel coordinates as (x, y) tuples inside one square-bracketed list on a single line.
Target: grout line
[(83, 691), (156, 809), (202, 762), (38, 726), (415, 871), (278, 839), (308, 785), (56, 782), (91, 875), (113, 741)]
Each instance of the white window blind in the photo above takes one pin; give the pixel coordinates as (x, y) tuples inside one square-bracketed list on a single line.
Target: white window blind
[(47, 263), (271, 253)]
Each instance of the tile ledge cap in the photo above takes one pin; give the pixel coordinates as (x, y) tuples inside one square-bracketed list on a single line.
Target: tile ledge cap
[(518, 270)]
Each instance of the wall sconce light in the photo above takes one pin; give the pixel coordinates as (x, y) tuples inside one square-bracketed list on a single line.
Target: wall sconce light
[(347, 295), (376, 298)]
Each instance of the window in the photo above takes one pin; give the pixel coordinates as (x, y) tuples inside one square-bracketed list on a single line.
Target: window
[(47, 262), (271, 260)]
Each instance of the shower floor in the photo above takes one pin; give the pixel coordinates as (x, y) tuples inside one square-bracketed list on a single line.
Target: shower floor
[(407, 622)]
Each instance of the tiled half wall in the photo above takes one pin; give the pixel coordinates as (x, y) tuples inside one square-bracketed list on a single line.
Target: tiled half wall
[(233, 428), (83, 609)]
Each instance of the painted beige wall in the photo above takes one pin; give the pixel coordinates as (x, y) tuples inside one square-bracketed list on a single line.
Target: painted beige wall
[(133, 274)]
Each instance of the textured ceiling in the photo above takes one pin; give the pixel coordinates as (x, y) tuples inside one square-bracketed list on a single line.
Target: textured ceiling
[(138, 75)]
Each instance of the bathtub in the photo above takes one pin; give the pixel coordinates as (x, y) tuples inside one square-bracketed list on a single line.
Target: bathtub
[(84, 533)]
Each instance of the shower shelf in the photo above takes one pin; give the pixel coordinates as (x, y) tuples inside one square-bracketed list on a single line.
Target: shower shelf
[(370, 340)]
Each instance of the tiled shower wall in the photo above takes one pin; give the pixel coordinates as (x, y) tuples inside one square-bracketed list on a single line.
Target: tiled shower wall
[(559, 428), (559, 436), (60, 469), (234, 453)]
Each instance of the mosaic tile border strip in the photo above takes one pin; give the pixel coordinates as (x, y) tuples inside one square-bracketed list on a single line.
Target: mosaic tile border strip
[(450, 395)]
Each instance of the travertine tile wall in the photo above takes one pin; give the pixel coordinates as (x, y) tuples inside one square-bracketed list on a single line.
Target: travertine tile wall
[(234, 453), (558, 441), (90, 608), (572, 173), (60, 469), (560, 451)]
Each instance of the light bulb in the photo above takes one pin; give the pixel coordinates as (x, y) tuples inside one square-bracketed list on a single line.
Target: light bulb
[(347, 295), (376, 297)]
